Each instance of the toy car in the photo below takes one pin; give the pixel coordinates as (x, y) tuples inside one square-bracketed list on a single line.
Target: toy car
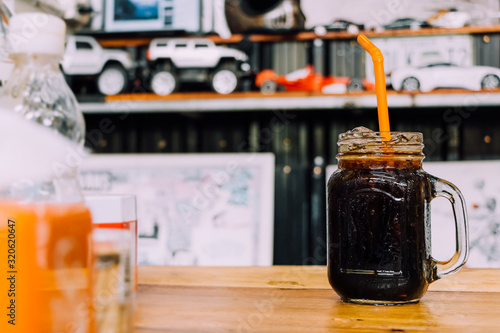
[(406, 23), (84, 56), (450, 19), (445, 75), (195, 60), (339, 25), (401, 23), (305, 79)]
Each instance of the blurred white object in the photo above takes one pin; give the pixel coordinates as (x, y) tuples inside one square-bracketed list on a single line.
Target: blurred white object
[(450, 19), (334, 88), (6, 64), (112, 208), (97, 18), (36, 33), (9, 3), (214, 18), (69, 10), (85, 56), (25, 144), (445, 75)]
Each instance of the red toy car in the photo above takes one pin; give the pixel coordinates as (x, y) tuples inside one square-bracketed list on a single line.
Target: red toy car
[(305, 79)]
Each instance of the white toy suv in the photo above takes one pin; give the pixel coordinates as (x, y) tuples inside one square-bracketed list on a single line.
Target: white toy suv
[(195, 60), (84, 56)]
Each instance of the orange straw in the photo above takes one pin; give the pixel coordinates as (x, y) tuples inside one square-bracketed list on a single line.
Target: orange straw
[(380, 88)]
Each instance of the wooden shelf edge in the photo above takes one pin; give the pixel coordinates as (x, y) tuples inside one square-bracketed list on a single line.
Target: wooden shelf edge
[(206, 102), (309, 35), (387, 33)]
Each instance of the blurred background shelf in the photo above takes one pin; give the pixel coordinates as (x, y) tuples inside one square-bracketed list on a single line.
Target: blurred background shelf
[(256, 101), (125, 40), (301, 128)]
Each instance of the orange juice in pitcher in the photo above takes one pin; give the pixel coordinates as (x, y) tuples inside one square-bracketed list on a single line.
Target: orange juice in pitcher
[(47, 267)]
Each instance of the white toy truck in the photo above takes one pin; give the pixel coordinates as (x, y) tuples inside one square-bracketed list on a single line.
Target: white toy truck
[(195, 60), (113, 68)]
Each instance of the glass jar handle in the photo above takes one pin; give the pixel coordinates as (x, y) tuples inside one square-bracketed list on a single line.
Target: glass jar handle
[(445, 189)]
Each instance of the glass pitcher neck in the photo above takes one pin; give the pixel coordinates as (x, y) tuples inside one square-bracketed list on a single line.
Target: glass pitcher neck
[(363, 148), (59, 190), (382, 161), (38, 91)]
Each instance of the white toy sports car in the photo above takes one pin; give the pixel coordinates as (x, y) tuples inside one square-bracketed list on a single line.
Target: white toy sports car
[(450, 19), (445, 75)]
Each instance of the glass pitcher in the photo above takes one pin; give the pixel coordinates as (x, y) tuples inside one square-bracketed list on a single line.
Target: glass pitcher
[(45, 227), (379, 234)]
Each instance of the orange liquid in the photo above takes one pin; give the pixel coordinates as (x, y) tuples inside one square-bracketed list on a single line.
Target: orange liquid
[(52, 268)]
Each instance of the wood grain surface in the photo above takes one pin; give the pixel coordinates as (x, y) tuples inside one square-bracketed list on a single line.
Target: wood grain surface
[(299, 299)]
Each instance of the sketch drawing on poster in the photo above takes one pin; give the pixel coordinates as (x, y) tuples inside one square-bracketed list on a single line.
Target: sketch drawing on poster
[(203, 209), (479, 182), (480, 185)]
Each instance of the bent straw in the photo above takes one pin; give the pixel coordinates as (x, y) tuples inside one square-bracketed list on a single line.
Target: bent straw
[(380, 88)]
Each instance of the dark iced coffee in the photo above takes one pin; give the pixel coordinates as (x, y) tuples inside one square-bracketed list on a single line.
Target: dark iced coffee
[(378, 219)]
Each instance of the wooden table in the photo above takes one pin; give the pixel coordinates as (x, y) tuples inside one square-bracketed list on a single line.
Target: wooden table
[(299, 299)]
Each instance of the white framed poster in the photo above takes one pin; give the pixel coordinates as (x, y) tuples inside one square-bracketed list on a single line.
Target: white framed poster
[(193, 209), (479, 182)]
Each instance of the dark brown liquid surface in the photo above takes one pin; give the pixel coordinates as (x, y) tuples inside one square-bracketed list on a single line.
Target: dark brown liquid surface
[(377, 233)]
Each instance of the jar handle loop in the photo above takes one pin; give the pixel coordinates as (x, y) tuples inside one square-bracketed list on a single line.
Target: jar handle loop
[(445, 189)]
